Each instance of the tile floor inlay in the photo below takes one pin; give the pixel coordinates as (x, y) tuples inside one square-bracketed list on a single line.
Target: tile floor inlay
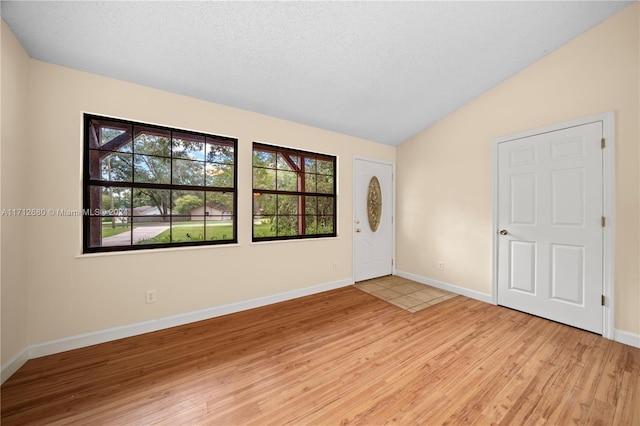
[(403, 293)]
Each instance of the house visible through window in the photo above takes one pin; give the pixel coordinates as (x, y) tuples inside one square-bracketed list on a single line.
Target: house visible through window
[(148, 186), (294, 194)]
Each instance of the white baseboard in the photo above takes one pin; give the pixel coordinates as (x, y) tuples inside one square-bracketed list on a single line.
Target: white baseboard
[(12, 366), (627, 338), (483, 297), (102, 336)]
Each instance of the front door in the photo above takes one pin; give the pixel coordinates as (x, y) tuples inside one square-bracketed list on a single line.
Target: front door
[(373, 219), (550, 235)]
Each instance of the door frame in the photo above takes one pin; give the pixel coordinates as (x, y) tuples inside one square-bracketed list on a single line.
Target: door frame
[(351, 213), (608, 155)]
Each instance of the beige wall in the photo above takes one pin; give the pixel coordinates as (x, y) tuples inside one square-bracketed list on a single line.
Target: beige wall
[(14, 146), (71, 294), (444, 173)]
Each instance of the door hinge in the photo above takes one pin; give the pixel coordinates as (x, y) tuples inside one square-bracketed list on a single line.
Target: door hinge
[(602, 300), (602, 143), (603, 221), (391, 262)]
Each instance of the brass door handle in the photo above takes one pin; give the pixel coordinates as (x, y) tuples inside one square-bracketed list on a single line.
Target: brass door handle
[(503, 232), (357, 229)]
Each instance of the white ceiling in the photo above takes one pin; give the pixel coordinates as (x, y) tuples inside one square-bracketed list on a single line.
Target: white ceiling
[(381, 71)]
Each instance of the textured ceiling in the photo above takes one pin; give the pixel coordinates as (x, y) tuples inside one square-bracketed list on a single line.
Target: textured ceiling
[(381, 71)]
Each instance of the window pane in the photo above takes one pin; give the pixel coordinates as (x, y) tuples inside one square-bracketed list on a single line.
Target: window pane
[(114, 201), (115, 167), (264, 227), (325, 225), (152, 203), (220, 175), (287, 225), (310, 165), (115, 139), (118, 145), (109, 201), (287, 181), (186, 204), (264, 204), (325, 206), (325, 184), (150, 232), (188, 147), (311, 205), (116, 231), (287, 204), (220, 203), (152, 169), (325, 167), (152, 142), (311, 226), (107, 134), (219, 153), (264, 159), (288, 161), (188, 230), (310, 182), (219, 228), (128, 147), (187, 172), (264, 178)]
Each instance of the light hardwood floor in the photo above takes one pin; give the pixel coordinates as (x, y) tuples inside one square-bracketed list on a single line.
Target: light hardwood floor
[(339, 357)]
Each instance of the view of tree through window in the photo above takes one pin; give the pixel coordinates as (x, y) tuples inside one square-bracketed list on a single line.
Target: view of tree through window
[(294, 193), (148, 186)]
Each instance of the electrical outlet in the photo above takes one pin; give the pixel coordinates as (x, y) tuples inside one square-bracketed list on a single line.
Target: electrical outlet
[(441, 265), (150, 296)]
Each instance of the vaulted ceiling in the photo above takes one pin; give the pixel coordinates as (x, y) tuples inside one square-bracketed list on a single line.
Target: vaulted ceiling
[(382, 71)]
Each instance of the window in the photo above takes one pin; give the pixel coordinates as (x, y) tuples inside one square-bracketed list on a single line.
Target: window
[(148, 186), (294, 194)]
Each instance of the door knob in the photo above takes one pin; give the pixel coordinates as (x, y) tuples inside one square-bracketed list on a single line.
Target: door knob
[(357, 229), (503, 232)]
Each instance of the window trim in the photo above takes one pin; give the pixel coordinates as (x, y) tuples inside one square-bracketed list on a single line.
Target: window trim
[(87, 183), (334, 195)]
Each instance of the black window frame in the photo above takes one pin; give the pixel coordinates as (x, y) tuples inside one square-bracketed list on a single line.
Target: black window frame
[(90, 209), (302, 194)]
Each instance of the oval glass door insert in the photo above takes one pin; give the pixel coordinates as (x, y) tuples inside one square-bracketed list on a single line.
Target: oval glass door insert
[(374, 204)]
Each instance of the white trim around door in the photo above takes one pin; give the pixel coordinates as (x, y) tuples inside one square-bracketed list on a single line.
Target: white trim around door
[(608, 121)]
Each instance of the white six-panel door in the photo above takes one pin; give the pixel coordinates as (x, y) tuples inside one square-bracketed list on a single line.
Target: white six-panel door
[(550, 242)]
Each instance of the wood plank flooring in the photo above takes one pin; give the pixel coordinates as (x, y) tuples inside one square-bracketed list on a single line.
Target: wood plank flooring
[(339, 357)]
